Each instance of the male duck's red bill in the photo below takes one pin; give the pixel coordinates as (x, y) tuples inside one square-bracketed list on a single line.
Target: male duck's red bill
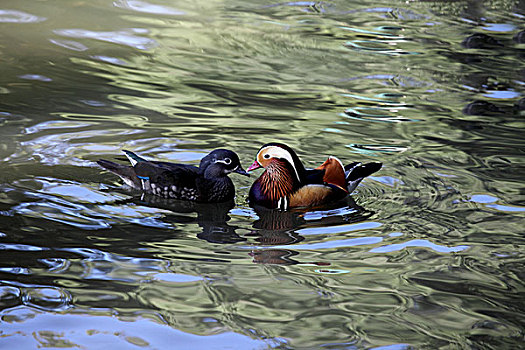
[(286, 183), (254, 166)]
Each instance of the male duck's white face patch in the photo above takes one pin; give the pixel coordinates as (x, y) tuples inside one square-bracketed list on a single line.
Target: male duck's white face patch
[(279, 153)]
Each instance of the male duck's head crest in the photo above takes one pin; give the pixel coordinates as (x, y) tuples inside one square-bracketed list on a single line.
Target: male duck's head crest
[(274, 150)]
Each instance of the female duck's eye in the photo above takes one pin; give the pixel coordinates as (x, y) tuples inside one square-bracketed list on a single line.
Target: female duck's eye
[(266, 156), (227, 161)]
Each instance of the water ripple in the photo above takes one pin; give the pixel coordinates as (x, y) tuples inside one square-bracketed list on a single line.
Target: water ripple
[(56, 265), (15, 270), (63, 148), (112, 60), (340, 243), (20, 247), (46, 298), (91, 328), (37, 77), (69, 44), (54, 124), (76, 204), (13, 16), (419, 243), (145, 7), (62, 214), (126, 37), (10, 296), (176, 277), (339, 229), (378, 47)]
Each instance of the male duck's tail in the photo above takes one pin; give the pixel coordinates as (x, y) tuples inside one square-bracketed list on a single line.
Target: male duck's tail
[(356, 172)]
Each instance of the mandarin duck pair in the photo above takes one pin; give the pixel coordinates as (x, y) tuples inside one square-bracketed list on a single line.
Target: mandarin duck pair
[(284, 184)]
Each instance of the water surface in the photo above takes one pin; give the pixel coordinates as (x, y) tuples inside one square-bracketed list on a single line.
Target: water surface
[(428, 252)]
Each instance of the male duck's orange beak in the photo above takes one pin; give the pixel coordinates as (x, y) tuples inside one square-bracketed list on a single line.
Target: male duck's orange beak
[(254, 166)]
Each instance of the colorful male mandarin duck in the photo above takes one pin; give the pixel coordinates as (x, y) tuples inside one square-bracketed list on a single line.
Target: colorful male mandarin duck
[(208, 183), (286, 183)]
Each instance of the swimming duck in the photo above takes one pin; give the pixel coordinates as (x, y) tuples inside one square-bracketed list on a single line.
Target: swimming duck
[(208, 183), (286, 183)]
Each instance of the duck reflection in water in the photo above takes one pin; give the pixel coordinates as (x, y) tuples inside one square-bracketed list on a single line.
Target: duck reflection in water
[(211, 217), (278, 228), (271, 228)]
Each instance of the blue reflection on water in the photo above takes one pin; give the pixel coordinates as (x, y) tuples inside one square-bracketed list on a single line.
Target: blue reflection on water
[(420, 243), (486, 199), (388, 180), (335, 244), (145, 7), (338, 229), (70, 44), (483, 198), (176, 277), (15, 270), (393, 347), (35, 77), (126, 37), (13, 16), (84, 329), (499, 27), (20, 247), (112, 60), (395, 234), (502, 94), (505, 207)]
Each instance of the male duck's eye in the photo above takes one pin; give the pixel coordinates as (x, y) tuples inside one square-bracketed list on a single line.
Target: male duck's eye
[(266, 156), (227, 161)]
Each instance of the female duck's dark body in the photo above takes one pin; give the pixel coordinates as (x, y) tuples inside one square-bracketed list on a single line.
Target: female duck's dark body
[(208, 183)]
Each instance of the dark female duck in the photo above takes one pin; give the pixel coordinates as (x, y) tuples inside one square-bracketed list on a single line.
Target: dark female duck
[(286, 183), (208, 183)]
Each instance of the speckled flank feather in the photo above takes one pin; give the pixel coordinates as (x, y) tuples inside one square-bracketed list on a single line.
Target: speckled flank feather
[(173, 191)]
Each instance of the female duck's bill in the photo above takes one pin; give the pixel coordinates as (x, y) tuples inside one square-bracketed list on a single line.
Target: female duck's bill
[(286, 183)]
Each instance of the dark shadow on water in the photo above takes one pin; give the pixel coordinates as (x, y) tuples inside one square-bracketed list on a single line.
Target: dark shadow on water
[(211, 217), (271, 228)]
